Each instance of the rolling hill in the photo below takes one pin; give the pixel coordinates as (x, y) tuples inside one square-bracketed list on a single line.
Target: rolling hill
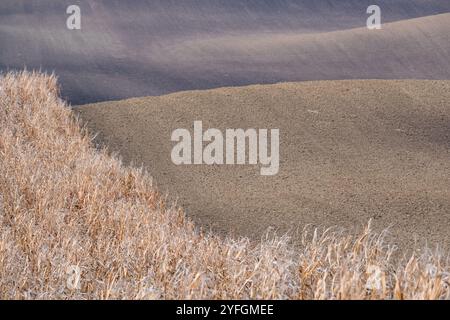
[(143, 47), (350, 151)]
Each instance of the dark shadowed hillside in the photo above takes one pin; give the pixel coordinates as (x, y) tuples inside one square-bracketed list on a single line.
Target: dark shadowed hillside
[(137, 48)]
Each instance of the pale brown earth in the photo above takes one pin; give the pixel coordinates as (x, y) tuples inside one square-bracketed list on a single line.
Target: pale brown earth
[(350, 151)]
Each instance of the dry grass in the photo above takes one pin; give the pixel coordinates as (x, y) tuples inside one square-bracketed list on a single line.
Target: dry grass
[(63, 203)]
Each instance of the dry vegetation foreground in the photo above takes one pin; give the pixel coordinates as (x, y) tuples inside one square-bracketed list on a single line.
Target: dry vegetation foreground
[(63, 203)]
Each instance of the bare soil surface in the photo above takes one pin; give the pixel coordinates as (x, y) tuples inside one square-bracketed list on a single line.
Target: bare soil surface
[(350, 151)]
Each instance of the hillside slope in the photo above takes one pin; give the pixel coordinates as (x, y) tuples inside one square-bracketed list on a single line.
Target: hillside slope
[(153, 47), (350, 151), (76, 223)]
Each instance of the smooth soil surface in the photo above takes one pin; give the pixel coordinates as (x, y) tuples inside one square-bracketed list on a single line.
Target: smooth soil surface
[(152, 47)]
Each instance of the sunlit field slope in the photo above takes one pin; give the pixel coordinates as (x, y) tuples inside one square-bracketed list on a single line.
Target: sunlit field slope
[(350, 151)]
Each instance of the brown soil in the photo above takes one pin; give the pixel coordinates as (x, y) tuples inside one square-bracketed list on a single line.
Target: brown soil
[(350, 151)]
